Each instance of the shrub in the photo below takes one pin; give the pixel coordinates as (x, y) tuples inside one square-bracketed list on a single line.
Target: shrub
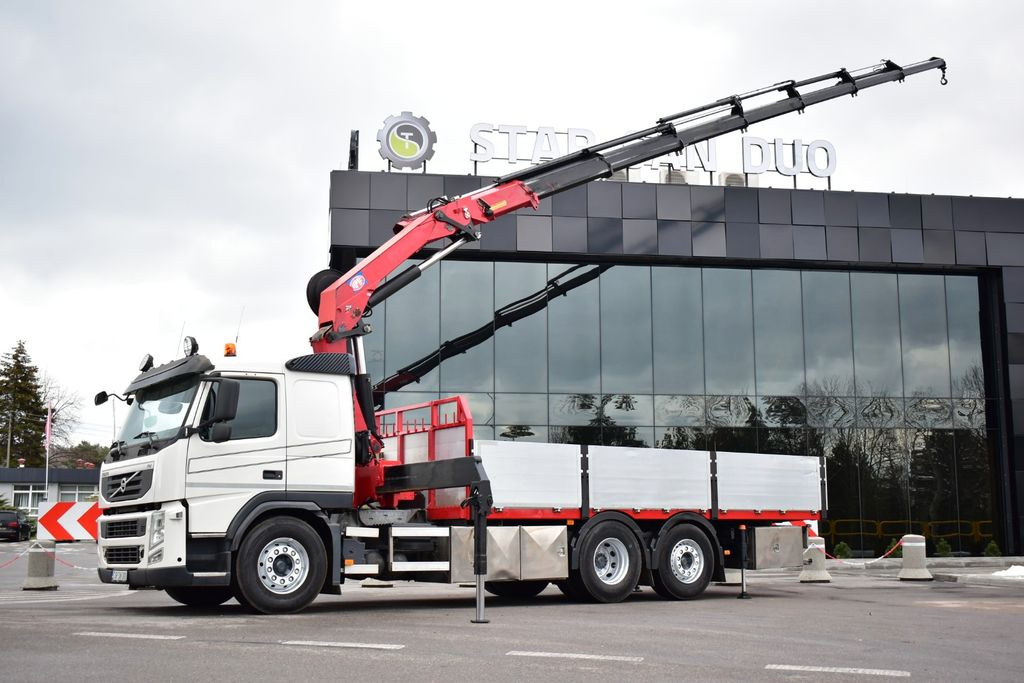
[(943, 549), (842, 550), (5, 504), (992, 549), (896, 553)]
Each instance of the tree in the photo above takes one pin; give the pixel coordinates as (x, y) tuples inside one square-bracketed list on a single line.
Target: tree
[(22, 407), (85, 451)]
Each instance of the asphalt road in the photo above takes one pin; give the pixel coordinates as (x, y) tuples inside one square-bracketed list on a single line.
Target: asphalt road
[(867, 626)]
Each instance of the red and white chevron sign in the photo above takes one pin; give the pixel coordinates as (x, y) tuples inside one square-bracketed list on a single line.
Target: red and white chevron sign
[(67, 521)]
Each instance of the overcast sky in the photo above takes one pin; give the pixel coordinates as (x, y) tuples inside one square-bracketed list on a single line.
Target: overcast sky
[(167, 163)]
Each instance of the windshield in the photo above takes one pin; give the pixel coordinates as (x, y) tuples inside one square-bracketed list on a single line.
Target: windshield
[(159, 411)]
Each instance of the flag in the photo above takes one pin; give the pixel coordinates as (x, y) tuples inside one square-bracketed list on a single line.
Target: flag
[(49, 424)]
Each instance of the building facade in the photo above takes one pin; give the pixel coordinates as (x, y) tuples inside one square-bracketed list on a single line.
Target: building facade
[(883, 332), (25, 487)]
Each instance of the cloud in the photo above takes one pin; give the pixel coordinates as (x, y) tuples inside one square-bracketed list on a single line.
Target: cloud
[(168, 162)]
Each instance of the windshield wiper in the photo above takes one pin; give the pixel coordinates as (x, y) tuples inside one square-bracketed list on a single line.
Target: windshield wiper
[(150, 438)]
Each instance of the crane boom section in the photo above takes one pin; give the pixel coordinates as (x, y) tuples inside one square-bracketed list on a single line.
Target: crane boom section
[(345, 303)]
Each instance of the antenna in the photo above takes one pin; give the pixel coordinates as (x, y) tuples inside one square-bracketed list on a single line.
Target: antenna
[(238, 331), (177, 345)]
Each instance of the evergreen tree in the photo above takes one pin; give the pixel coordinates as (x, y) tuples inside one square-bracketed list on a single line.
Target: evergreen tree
[(21, 407)]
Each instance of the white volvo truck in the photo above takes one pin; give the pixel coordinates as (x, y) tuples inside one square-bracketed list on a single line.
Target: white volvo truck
[(276, 482)]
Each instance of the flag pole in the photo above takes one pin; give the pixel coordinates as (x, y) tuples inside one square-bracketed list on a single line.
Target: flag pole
[(49, 422)]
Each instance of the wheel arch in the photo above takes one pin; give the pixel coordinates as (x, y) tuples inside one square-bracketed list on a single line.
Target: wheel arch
[(606, 516), (307, 511)]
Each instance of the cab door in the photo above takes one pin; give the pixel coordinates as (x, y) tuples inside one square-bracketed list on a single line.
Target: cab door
[(221, 477)]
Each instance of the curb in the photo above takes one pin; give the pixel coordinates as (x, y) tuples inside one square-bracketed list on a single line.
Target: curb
[(930, 562)]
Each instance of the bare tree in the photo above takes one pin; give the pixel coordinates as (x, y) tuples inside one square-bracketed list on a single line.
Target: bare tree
[(65, 404)]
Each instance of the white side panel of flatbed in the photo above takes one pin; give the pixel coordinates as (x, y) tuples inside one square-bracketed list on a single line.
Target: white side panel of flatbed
[(649, 478), (759, 481), (532, 475)]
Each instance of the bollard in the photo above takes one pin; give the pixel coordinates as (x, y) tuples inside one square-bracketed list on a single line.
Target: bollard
[(913, 560), (814, 570), (40, 567)]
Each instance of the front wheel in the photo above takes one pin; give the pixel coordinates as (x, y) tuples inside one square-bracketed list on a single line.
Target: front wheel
[(199, 596), (280, 566), (683, 563)]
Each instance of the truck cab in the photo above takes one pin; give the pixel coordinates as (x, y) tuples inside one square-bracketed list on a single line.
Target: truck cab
[(205, 448)]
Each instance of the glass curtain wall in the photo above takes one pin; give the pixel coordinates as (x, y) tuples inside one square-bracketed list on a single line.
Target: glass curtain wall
[(879, 373)]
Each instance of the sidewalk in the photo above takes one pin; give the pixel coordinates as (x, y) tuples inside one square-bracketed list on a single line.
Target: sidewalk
[(972, 571)]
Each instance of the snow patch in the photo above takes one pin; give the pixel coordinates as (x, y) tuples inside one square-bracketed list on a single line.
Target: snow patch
[(1015, 570)]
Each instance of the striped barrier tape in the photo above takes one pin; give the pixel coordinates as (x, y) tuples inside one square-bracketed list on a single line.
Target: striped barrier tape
[(889, 552), (17, 557), (36, 544)]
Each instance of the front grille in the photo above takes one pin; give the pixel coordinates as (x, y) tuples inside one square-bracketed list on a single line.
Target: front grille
[(127, 486), (129, 554), (126, 528)]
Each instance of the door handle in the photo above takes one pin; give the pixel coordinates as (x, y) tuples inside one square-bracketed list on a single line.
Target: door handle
[(273, 474)]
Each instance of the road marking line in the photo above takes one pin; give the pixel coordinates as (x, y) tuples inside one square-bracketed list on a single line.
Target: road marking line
[(573, 655), (839, 670), (139, 636), (40, 599), (354, 646)]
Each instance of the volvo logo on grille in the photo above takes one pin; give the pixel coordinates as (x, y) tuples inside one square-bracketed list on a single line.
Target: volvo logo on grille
[(124, 483)]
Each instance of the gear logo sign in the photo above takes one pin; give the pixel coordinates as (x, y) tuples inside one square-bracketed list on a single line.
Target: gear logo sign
[(406, 140)]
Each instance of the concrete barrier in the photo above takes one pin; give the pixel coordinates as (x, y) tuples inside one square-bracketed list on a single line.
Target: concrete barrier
[(40, 567), (814, 570), (914, 568)]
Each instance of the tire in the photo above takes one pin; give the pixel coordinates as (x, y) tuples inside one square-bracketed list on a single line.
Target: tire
[(280, 566), (610, 562), (516, 590), (572, 588), (683, 563), (199, 596)]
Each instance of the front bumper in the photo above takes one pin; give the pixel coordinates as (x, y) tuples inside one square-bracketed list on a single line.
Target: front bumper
[(167, 576), (149, 549)]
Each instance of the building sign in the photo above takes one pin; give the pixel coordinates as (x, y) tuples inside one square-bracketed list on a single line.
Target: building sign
[(517, 143), (785, 157), (818, 157), (406, 141)]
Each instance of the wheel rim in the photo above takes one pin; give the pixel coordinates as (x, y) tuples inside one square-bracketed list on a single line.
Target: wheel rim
[(686, 561), (611, 561), (283, 565)]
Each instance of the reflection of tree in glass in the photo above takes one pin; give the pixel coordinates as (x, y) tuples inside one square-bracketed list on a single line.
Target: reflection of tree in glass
[(514, 432), (601, 427)]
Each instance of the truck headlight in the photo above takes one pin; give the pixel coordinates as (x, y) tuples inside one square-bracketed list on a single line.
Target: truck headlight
[(156, 557), (156, 535)]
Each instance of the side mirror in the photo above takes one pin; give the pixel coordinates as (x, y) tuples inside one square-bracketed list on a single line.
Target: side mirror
[(101, 398), (220, 432), (227, 401)]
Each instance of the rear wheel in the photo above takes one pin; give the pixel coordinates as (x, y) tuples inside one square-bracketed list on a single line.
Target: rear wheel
[(519, 590), (610, 562), (280, 566), (683, 563), (200, 596)]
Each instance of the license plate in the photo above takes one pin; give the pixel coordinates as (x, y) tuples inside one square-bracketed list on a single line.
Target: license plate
[(119, 576)]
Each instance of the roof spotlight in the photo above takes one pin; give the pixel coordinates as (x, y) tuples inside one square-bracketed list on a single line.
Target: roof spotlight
[(146, 363), (191, 346)]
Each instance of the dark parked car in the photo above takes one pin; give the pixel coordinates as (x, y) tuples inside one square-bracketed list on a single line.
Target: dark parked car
[(14, 525)]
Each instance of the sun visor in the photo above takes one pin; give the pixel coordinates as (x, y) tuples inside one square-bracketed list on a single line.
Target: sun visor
[(183, 367)]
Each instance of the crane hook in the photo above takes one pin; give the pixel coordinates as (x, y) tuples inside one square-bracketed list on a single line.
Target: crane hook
[(943, 80)]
